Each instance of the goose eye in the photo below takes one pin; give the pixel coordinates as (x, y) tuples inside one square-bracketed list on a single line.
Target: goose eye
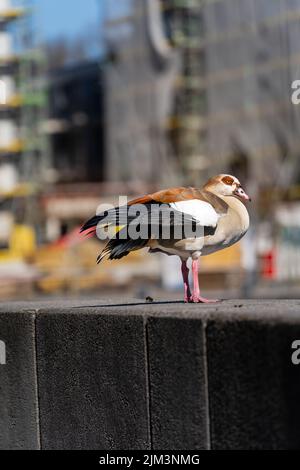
[(228, 180)]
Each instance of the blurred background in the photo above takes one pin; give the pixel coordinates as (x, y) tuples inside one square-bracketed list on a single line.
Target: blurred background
[(101, 98)]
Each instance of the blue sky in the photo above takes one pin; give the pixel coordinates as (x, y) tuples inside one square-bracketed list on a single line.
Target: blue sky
[(66, 17), (70, 17)]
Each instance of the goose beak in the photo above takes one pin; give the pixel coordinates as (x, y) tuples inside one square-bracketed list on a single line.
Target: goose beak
[(241, 194)]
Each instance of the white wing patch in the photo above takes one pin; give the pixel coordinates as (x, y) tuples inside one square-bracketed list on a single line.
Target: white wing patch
[(200, 210)]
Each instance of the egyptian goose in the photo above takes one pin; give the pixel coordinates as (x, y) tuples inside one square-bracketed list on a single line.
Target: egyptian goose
[(215, 215)]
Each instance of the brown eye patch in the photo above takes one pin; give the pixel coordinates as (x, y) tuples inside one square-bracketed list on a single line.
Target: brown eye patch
[(228, 180)]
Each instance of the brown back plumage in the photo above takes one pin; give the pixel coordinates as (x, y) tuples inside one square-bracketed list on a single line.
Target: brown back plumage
[(167, 196)]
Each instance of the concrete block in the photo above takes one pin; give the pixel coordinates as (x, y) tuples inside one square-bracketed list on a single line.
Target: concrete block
[(19, 428), (92, 380), (254, 389), (140, 376), (178, 400)]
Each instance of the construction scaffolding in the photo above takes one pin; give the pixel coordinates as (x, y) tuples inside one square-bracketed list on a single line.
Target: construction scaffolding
[(184, 26), (22, 150), (233, 99), (139, 78), (10, 104)]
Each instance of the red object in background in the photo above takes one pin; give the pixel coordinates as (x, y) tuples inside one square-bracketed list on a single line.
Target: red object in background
[(268, 264), (73, 238)]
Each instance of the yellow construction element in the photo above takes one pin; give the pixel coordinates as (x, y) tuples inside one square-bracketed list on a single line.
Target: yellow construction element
[(74, 268), (11, 14), (222, 261), (70, 268), (15, 147), (14, 102), (7, 256), (22, 244), (21, 190)]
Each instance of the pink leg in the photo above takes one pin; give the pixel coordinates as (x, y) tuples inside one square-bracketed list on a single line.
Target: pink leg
[(185, 276), (196, 297)]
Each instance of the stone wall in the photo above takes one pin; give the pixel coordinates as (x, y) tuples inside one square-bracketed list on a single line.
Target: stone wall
[(98, 375)]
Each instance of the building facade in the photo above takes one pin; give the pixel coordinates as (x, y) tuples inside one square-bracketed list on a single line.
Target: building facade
[(22, 109), (10, 100), (139, 79), (239, 58), (75, 123)]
